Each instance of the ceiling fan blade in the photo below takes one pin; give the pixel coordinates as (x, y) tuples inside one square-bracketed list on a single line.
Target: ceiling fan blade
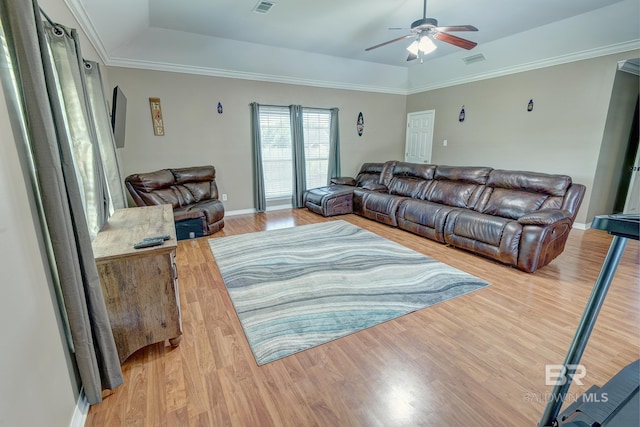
[(451, 28), (455, 40), (389, 42), (411, 57)]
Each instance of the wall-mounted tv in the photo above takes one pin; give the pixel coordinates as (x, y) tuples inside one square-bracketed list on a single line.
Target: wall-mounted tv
[(118, 116)]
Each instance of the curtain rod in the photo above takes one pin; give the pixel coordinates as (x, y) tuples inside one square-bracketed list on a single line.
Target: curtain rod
[(58, 29), (284, 106), (54, 24)]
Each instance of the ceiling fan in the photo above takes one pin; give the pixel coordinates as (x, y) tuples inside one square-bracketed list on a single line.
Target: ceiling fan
[(426, 28)]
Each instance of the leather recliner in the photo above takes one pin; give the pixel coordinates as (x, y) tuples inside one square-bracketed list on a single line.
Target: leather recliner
[(192, 192)]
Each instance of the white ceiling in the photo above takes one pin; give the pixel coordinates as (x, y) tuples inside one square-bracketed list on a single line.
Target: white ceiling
[(323, 43)]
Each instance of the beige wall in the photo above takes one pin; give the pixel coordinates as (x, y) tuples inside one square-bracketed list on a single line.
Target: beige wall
[(563, 133), (195, 134), (37, 385)]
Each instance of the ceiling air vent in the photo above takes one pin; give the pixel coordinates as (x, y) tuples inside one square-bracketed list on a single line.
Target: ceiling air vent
[(263, 6), (474, 58)]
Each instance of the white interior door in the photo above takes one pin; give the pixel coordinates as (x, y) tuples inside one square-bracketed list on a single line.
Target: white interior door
[(419, 136)]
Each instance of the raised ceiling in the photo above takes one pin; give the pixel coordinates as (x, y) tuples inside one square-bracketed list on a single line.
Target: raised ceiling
[(323, 43)]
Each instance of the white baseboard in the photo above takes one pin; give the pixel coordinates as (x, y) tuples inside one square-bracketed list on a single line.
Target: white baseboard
[(251, 211), (80, 413), (279, 207), (581, 226), (240, 212)]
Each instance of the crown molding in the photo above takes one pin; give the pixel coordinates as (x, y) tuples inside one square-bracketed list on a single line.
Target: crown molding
[(80, 14), (558, 60), (629, 67), (549, 62), (217, 72), (76, 7)]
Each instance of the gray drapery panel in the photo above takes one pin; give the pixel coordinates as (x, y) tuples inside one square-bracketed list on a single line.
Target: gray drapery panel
[(75, 119), (116, 198), (334, 147), (299, 163), (260, 198), (62, 201)]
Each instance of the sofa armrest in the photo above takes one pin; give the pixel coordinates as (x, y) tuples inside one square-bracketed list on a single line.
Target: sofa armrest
[(343, 180), (544, 217)]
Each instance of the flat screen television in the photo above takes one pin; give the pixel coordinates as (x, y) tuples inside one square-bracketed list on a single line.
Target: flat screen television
[(118, 116)]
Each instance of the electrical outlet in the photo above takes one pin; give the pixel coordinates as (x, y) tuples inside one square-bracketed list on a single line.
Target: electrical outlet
[(224, 197), (444, 143)]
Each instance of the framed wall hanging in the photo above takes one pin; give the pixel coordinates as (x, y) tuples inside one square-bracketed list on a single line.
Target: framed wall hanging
[(219, 108), (461, 115), (156, 116), (530, 105)]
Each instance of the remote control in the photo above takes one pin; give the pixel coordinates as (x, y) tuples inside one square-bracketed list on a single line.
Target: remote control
[(148, 243), (165, 237)]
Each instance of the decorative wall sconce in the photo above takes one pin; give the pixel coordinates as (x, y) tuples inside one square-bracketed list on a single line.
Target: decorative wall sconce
[(360, 124), (530, 105)]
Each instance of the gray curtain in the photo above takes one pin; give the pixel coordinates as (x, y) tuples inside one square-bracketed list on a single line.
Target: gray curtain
[(46, 108), (299, 162), (260, 199), (75, 122), (334, 147), (115, 194)]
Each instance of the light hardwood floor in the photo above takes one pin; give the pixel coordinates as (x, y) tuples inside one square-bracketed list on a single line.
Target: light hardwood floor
[(476, 360)]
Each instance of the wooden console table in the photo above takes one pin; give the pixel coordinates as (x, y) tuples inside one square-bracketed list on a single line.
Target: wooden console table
[(140, 286)]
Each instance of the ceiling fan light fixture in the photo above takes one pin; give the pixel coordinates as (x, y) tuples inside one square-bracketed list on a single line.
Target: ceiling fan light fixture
[(426, 45), (413, 47)]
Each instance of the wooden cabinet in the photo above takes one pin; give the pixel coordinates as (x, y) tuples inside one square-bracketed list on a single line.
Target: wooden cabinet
[(140, 286)]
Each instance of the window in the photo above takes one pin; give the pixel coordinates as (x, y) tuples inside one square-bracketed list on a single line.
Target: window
[(277, 152), (275, 132), (317, 126)]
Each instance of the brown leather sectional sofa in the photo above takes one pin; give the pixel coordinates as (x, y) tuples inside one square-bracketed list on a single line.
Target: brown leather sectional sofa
[(192, 192), (518, 218)]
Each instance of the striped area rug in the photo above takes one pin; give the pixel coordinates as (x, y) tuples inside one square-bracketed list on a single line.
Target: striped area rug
[(300, 287)]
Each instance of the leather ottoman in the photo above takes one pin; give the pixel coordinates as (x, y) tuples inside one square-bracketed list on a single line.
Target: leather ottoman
[(330, 200)]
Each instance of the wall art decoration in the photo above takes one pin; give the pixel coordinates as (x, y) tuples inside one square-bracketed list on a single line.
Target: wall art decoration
[(219, 108), (530, 105), (461, 115), (360, 124), (156, 116)]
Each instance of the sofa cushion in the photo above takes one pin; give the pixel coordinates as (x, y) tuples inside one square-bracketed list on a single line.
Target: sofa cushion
[(409, 179), (512, 194), (512, 203), (553, 185), (166, 196), (194, 174), (198, 190), (381, 207), (369, 174), (492, 236), (147, 182), (470, 174), (423, 218), (451, 193)]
